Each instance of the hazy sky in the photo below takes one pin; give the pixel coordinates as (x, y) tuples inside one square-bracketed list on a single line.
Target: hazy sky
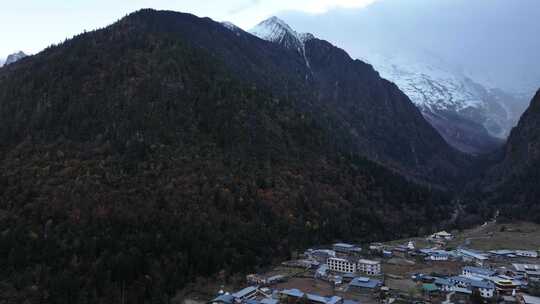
[(496, 40), (31, 25)]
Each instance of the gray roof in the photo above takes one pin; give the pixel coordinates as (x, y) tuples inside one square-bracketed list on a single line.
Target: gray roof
[(224, 298), (479, 270), (530, 299), (312, 297), (344, 245), (462, 290), (474, 283), (502, 252), (244, 292), (442, 281), (365, 283), (472, 253), (482, 284), (269, 301), (526, 267)]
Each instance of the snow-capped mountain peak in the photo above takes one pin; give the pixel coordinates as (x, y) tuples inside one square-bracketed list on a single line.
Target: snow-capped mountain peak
[(15, 57), (232, 27), (277, 31)]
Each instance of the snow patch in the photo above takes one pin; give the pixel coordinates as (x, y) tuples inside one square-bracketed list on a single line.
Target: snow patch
[(277, 31)]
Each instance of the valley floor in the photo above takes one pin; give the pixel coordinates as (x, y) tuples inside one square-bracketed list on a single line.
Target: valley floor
[(402, 277)]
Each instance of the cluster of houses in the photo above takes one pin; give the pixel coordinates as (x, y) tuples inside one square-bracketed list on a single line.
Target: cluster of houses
[(343, 259), (256, 295), (343, 264), (349, 270), (486, 281)]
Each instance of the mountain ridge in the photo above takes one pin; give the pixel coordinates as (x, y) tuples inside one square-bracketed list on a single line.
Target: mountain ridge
[(164, 148), (512, 185), (12, 58)]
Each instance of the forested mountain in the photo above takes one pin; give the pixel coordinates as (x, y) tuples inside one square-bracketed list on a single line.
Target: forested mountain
[(514, 185), (165, 147), (372, 109)]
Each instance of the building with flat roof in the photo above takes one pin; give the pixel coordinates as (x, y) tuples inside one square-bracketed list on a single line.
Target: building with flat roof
[(346, 248), (346, 265), (369, 267), (364, 285), (531, 271)]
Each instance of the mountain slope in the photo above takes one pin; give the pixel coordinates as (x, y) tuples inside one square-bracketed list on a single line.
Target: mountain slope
[(166, 147), (470, 116), (366, 114), (453, 61), (372, 108), (513, 186)]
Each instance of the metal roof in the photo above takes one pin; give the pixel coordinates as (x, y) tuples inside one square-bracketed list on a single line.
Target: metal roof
[(312, 297), (443, 281), (472, 282), (476, 255), (344, 245), (530, 299), (479, 270), (369, 262), (225, 298), (244, 292), (365, 282), (269, 301)]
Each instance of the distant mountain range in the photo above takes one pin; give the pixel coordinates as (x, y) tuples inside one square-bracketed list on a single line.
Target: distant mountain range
[(453, 58), (473, 117)]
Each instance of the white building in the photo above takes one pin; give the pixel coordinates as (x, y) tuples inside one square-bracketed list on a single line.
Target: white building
[(438, 256), (486, 288), (442, 235), (369, 267), (342, 265)]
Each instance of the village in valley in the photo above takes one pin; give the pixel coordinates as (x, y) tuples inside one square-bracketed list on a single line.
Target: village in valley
[(446, 267)]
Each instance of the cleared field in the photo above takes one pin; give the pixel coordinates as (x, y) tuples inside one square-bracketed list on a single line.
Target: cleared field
[(308, 285), (440, 267), (522, 235), (403, 285)]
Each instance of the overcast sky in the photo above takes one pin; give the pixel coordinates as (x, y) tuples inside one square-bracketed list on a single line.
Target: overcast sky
[(32, 25), (497, 40)]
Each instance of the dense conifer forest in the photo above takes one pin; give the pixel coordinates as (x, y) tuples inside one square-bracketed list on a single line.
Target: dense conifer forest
[(132, 163)]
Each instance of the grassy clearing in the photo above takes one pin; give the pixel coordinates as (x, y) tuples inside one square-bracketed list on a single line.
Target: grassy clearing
[(520, 235)]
